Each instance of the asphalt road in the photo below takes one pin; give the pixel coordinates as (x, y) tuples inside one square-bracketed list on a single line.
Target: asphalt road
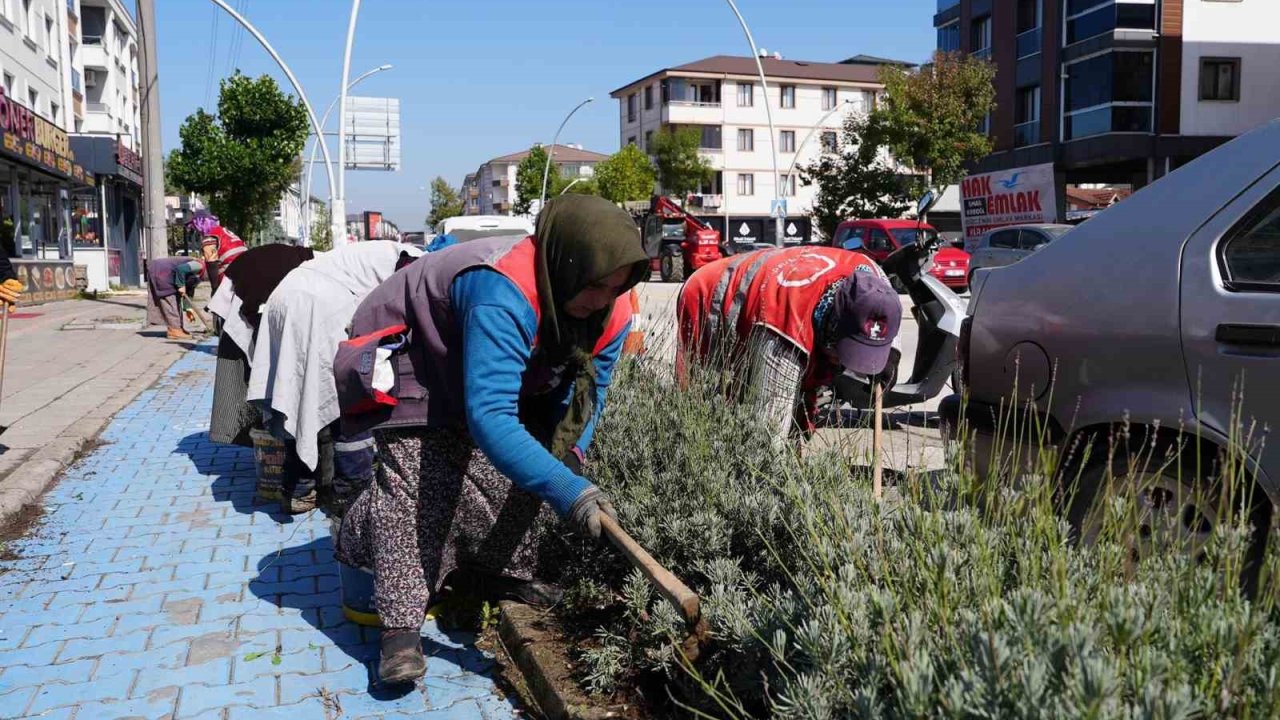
[(911, 442)]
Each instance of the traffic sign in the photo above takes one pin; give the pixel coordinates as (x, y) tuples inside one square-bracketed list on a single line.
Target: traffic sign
[(779, 208)]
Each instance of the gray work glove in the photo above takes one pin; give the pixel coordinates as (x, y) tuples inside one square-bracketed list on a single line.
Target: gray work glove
[(585, 512)]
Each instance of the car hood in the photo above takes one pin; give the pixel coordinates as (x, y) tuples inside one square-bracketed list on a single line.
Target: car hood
[(950, 255)]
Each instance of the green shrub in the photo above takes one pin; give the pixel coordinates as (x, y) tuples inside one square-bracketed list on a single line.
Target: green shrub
[(954, 600)]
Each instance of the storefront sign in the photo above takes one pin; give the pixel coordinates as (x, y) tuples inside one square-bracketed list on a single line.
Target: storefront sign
[(37, 141), (1008, 197), (46, 280), (128, 164)]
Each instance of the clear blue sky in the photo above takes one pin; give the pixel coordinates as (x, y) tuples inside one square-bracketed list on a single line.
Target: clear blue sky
[(482, 79)]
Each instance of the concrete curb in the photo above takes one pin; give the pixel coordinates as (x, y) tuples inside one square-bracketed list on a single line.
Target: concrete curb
[(556, 696), (27, 483)]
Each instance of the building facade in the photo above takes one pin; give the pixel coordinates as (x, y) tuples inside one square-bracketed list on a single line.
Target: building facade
[(723, 98), (491, 190), (1118, 91)]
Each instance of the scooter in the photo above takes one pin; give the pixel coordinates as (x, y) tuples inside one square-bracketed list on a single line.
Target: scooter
[(938, 313)]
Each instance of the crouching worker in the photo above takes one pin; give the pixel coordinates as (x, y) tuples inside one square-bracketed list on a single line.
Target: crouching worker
[(484, 367), (789, 320)]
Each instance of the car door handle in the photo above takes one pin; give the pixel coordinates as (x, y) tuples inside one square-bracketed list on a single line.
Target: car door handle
[(1250, 335)]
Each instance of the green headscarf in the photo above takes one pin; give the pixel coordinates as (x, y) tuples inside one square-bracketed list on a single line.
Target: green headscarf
[(580, 239)]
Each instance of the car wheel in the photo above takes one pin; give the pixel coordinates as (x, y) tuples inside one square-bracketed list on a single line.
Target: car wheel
[(672, 268), (1166, 503)]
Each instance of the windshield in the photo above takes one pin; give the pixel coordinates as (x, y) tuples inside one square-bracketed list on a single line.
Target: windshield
[(465, 235), (908, 236)]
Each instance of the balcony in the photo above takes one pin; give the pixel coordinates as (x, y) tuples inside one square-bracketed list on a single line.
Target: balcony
[(679, 112), (94, 56), (1027, 133), (944, 5), (1029, 43), (99, 107), (706, 201), (983, 54)]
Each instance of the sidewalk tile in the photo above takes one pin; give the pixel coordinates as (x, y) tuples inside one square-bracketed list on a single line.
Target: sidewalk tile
[(161, 706), (305, 710), (80, 648), (114, 687), (17, 699), (295, 688), (41, 634), (34, 655), (34, 676), (216, 672), (257, 693), (295, 664)]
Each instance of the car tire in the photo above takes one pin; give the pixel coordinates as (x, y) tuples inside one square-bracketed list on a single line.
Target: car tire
[(1175, 495), (672, 268)]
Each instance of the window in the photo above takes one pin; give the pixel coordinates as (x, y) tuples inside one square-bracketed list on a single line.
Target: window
[(1091, 18), (631, 108), (787, 141), (829, 142), (1031, 239), (1005, 240), (648, 139), (949, 37), (880, 241), (1220, 79), (1028, 15), (788, 96), (746, 140), (828, 98), (1026, 117), (746, 184), (867, 101), (711, 139), (50, 46), (8, 84), (788, 186), (33, 100), (631, 140), (28, 19), (980, 37), (746, 94), (850, 238), (1111, 92), (1250, 258), (53, 112), (648, 97)]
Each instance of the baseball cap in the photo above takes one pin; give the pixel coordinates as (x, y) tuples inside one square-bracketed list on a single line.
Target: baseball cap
[(867, 316)]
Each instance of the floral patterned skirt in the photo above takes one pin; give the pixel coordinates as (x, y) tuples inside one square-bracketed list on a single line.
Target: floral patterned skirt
[(438, 504)]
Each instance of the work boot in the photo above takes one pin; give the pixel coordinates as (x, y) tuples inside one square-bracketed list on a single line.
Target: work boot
[(529, 592), (299, 505), (177, 334), (401, 659)]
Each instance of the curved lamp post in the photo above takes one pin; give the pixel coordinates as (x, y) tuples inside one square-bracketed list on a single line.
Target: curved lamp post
[(338, 225), (546, 171), (324, 120), (338, 205), (566, 187), (773, 134)]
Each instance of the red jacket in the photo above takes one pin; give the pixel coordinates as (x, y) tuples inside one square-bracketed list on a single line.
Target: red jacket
[(775, 288)]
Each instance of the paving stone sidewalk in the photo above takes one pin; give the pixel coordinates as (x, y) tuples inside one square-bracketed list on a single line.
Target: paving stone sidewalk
[(154, 587)]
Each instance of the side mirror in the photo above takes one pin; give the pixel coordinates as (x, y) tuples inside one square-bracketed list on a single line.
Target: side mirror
[(852, 243), (651, 239), (927, 201)]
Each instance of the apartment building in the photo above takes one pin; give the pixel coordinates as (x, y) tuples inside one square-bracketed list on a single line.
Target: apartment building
[(491, 190), (1118, 91), (723, 98)]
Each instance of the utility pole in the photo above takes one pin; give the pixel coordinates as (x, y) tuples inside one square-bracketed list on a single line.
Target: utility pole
[(157, 243)]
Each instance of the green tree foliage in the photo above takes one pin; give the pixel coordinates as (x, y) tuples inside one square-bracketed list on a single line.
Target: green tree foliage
[(932, 116), (446, 202), (584, 186), (626, 175), (243, 159), (529, 179), (858, 180), (681, 167), (321, 231)]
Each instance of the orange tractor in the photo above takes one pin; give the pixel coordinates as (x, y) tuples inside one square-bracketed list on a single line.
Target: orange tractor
[(677, 242)]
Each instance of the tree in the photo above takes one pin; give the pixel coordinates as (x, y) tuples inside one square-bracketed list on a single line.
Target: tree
[(859, 180), (681, 167), (576, 186), (445, 201), (626, 175), (529, 179), (321, 230), (244, 159), (932, 116)]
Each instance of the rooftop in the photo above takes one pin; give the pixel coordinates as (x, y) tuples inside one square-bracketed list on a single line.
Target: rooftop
[(876, 61), (726, 65), (562, 153)]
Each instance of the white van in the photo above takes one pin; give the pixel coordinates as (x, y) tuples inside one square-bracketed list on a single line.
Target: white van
[(470, 227)]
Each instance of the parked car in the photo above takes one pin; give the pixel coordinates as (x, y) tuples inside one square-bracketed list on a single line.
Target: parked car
[(1007, 245), (881, 238), (470, 227), (1165, 333)]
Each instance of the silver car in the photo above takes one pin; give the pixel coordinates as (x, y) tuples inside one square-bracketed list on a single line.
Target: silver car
[(1165, 332), (1007, 245)]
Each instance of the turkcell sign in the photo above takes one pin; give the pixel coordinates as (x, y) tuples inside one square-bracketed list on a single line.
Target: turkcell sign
[(1008, 197)]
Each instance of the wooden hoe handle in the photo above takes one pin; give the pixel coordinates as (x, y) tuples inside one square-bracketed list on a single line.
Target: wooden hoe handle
[(684, 599)]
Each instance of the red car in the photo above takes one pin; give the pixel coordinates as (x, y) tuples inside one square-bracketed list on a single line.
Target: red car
[(881, 238)]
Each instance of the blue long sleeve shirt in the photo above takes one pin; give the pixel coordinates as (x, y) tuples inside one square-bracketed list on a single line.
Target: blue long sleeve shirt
[(498, 330)]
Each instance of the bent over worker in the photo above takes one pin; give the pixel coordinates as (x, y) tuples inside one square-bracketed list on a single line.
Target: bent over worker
[(789, 320), (484, 367), (170, 280)]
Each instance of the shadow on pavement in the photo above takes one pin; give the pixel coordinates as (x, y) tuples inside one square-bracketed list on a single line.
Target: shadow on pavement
[(279, 572), (855, 419), (236, 481), (199, 346)]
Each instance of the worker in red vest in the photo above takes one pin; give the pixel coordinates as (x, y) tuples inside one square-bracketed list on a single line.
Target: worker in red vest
[(219, 245), (790, 319)]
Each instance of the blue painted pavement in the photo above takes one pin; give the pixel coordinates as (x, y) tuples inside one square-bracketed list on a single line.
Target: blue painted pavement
[(155, 587)]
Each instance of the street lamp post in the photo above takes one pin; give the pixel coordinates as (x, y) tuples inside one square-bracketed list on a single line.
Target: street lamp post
[(546, 171), (773, 134), (302, 95), (324, 120), (338, 205), (566, 187)]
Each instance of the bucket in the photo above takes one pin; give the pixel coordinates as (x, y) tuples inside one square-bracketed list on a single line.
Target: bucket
[(268, 457), (357, 588)]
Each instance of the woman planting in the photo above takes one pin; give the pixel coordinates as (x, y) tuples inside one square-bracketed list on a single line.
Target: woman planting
[(171, 280), (484, 367)]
